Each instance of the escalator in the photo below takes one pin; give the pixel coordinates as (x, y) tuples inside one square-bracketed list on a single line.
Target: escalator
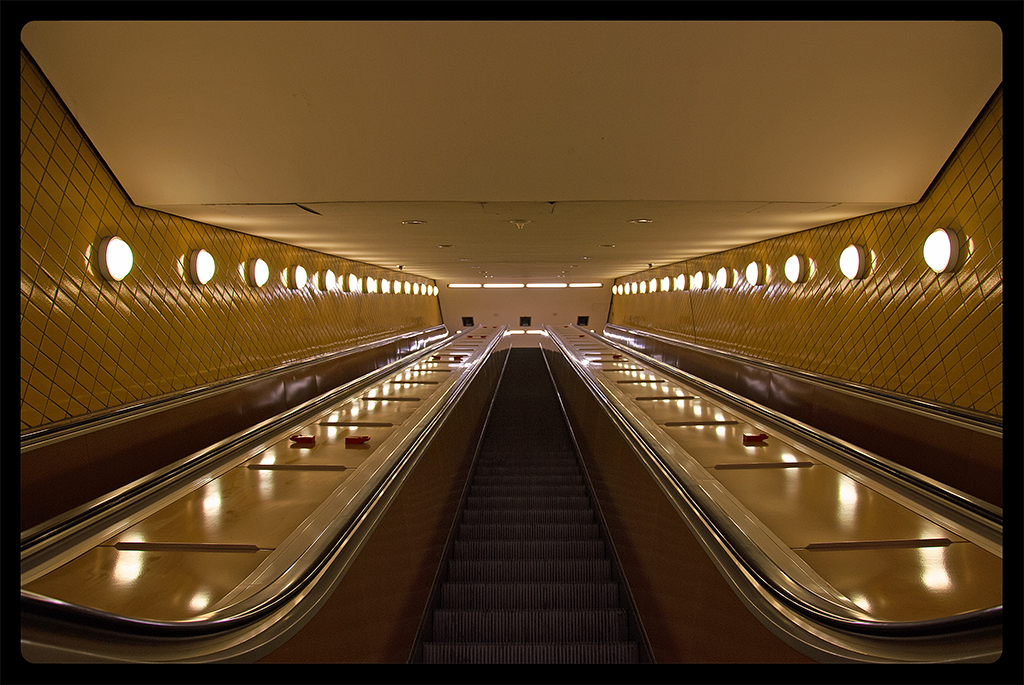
[(530, 576)]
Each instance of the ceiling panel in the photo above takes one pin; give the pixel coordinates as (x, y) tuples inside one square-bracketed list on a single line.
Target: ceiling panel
[(720, 133)]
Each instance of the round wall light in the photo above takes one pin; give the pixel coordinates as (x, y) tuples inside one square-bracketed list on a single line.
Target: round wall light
[(296, 277), (201, 266), (327, 281), (652, 286), (942, 251), (371, 284), (853, 262), (755, 273), (634, 288), (643, 286), (353, 284), (682, 282), (257, 273), (666, 284), (406, 287), (385, 286), (796, 268), (701, 280), (726, 277), (115, 258)]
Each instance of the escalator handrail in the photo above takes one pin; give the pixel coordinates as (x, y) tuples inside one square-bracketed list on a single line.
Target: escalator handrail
[(985, 512), (39, 436), (69, 522), (328, 549), (688, 494)]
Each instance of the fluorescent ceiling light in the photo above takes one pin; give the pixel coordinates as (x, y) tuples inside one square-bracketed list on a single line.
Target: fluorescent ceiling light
[(585, 285), (503, 285), (545, 285), (464, 285)]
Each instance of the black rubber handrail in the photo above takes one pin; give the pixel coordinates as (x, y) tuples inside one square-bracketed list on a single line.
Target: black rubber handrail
[(756, 562), (276, 596)]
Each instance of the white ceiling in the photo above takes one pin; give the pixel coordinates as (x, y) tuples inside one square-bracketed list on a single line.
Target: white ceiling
[(721, 133)]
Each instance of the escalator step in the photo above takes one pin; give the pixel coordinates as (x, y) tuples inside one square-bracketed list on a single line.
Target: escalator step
[(527, 516), (538, 531), (529, 490), (529, 596), (529, 570), (527, 503), (535, 626), (529, 549), (474, 653)]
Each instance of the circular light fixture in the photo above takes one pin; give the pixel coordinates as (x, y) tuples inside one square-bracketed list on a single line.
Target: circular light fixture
[(296, 277), (755, 273), (115, 258), (633, 287), (385, 286), (327, 280), (653, 285), (415, 288), (257, 273), (683, 282), (666, 284), (853, 262), (726, 277), (371, 284), (201, 266), (942, 251), (406, 287), (643, 286), (701, 280), (353, 284), (796, 268)]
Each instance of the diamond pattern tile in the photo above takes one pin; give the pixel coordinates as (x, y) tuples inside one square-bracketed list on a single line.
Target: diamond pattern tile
[(88, 344), (902, 328)]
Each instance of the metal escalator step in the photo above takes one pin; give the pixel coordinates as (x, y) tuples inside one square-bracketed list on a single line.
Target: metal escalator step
[(527, 503), (529, 570), (527, 516), (529, 596), (529, 549), (532, 626), (535, 531), (527, 490), (522, 479), (553, 653)]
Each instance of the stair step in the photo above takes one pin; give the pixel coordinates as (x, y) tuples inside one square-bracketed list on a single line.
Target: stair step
[(535, 531), (524, 596), (529, 549), (549, 653), (527, 490), (527, 503), (529, 570), (524, 516), (533, 626), (523, 479)]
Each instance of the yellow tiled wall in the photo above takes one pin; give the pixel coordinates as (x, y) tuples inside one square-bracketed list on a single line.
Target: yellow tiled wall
[(88, 344), (903, 328)]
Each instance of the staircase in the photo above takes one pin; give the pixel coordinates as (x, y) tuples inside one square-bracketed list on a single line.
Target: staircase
[(529, 578)]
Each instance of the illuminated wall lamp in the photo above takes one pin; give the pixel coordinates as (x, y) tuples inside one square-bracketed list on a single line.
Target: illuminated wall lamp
[(353, 284), (643, 286), (257, 273), (371, 284), (385, 286), (796, 268), (755, 273), (652, 286), (115, 258), (942, 251), (406, 287), (726, 277), (201, 266), (633, 287), (327, 280), (701, 280), (853, 262), (297, 277), (683, 282)]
